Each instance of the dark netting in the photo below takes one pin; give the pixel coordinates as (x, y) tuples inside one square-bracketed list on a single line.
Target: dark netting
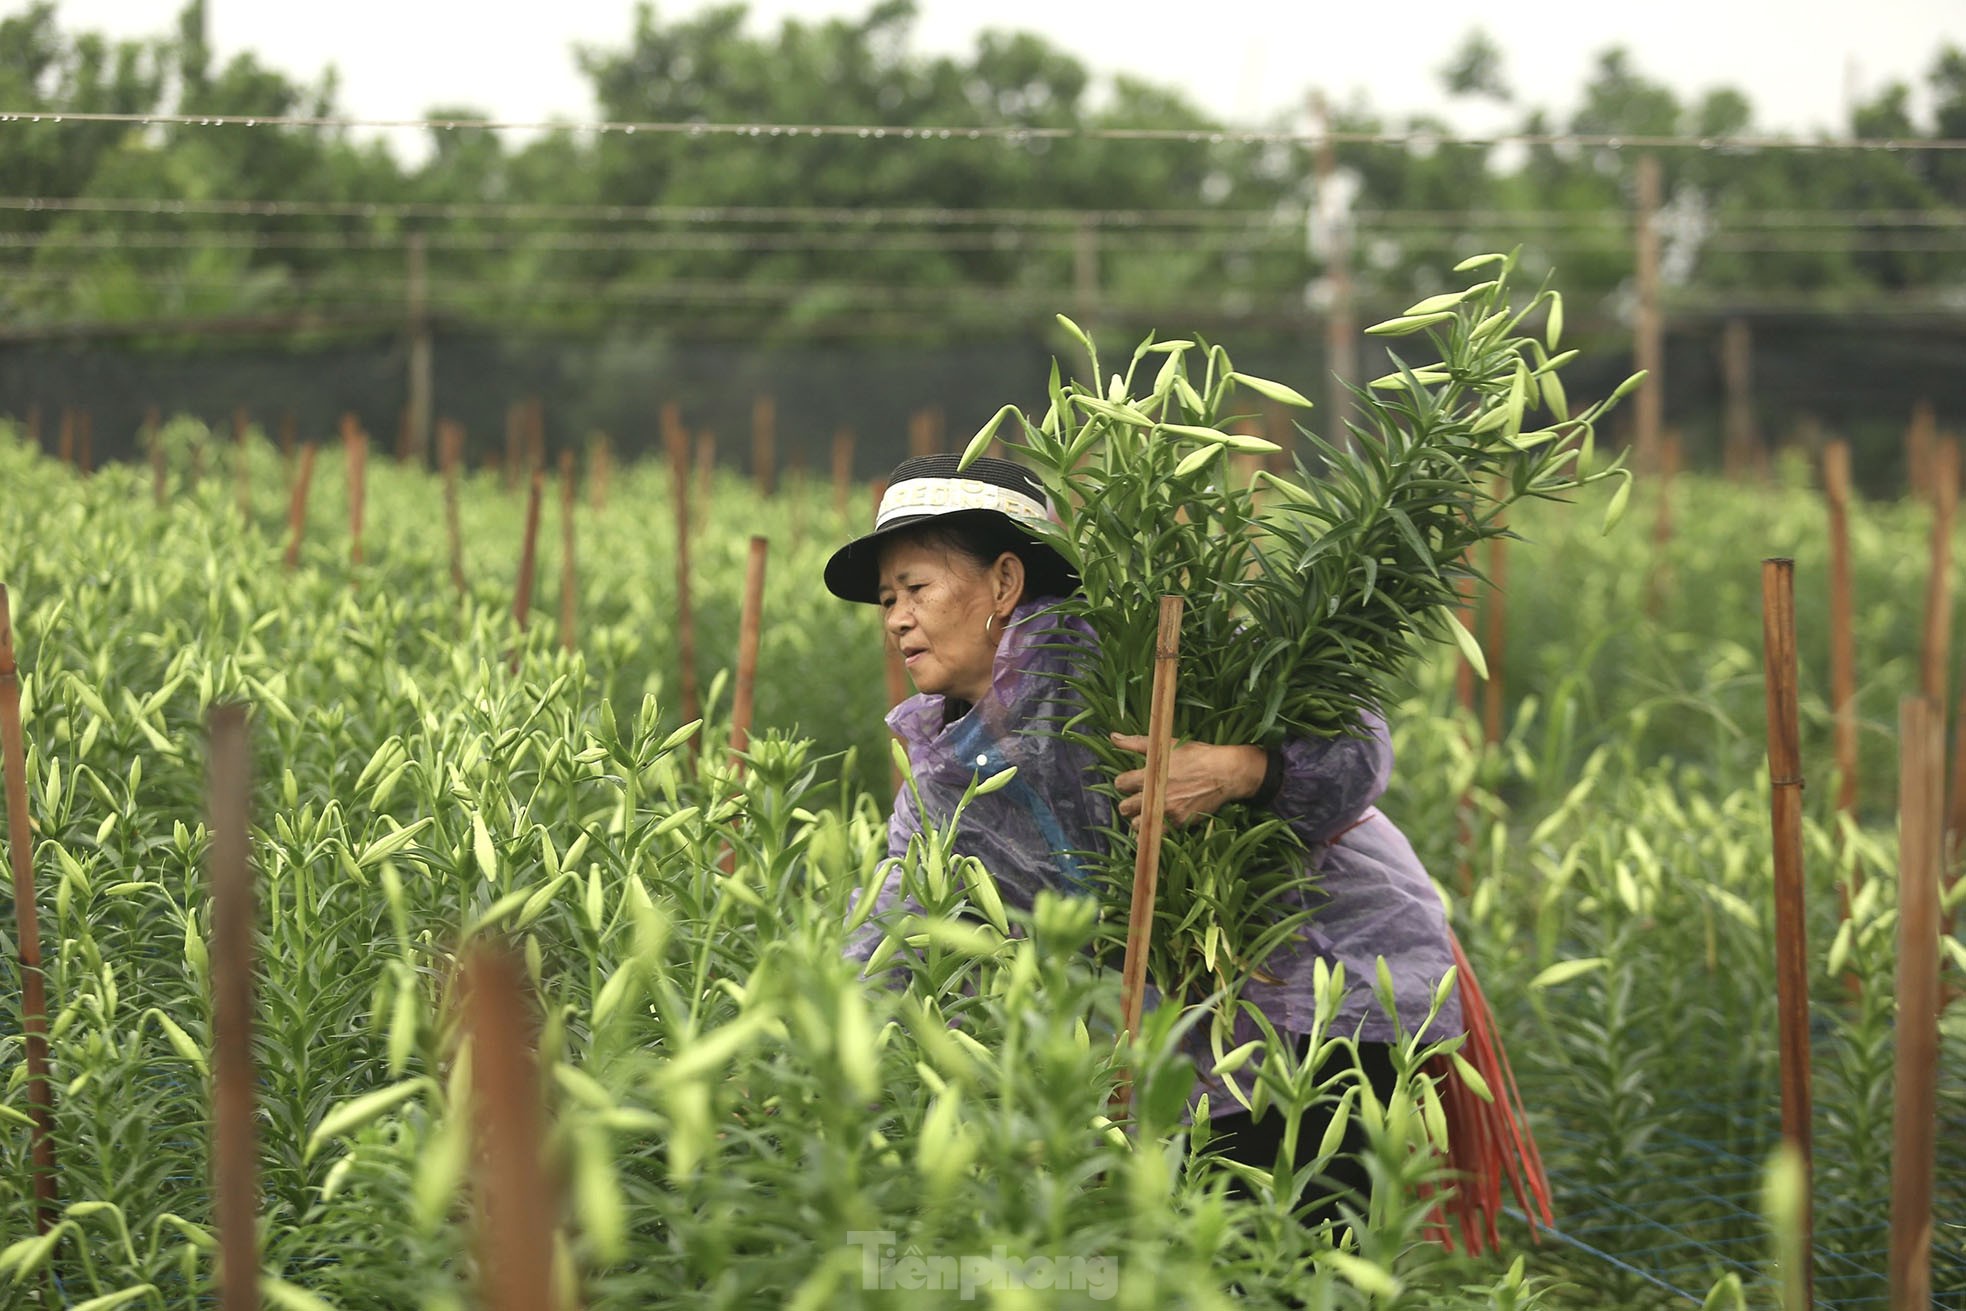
[(1852, 378)]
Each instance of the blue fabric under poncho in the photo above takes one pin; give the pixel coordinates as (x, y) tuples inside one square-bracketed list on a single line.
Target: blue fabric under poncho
[(1369, 895)]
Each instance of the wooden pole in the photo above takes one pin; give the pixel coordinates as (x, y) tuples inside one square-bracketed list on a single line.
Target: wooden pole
[(1842, 625), (764, 444), (297, 507), (450, 440), (677, 439), (417, 416), (528, 557), (842, 470), (85, 439), (27, 929), (1649, 350), (160, 490), (1935, 649), (1340, 328), (706, 468), (1153, 819), (1919, 437), (515, 423), (536, 435), (602, 471), (1915, 1115), (750, 630), (567, 578), (1494, 637), (1658, 585), (356, 443), (233, 1153), (516, 1210), (1791, 945), (1737, 373)]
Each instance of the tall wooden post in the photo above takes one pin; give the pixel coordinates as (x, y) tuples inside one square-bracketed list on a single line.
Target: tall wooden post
[(1153, 821), (1915, 1108), (1340, 327), (1791, 939), (421, 397), (764, 444), (1737, 373), (516, 1211), (749, 632), (27, 928), (1936, 646), (1842, 626), (842, 470), (676, 438), (1649, 347), (1920, 437), (234, 1156), (297, 507)]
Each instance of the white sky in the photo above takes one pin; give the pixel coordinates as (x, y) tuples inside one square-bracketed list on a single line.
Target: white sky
[(1798, 61)]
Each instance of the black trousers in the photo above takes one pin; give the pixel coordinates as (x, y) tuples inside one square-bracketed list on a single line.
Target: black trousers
[(1257, 1140)]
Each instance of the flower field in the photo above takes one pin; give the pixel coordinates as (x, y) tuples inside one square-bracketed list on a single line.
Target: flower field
[(733, 1117)]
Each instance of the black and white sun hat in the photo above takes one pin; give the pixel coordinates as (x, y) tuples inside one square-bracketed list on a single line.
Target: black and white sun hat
[(1001, 499)]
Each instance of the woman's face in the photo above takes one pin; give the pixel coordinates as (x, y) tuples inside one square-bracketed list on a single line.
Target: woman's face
[(945, 613)]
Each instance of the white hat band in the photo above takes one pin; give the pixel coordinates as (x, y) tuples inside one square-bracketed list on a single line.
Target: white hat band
[(918, 496)]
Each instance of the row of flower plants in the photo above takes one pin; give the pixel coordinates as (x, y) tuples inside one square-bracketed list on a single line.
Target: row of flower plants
[(736, 1118)]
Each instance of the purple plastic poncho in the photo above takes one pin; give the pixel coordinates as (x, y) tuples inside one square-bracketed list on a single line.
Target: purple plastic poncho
[(1369, 894)]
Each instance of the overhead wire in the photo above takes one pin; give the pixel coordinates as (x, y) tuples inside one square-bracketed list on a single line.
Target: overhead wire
[(1011, 133)]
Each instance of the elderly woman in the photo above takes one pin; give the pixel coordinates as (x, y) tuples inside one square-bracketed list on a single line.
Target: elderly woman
[(964, 585)]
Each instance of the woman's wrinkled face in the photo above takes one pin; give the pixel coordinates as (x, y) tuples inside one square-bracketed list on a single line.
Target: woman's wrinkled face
[(937, 607)]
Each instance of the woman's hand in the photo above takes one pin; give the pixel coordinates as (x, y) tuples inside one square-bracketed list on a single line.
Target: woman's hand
[(1201, 778)]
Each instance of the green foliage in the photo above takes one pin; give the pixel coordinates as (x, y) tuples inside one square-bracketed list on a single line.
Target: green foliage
[(1300, 612)]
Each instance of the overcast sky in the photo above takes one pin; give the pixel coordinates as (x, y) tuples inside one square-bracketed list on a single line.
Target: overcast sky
[(1799, 61)]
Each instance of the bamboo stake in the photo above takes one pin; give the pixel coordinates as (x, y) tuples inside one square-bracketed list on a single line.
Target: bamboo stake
[(679, 479), (159, 472), (1919, 435), (750, 628), (233, 1152), (764, 444), (450, 454), (1914, 1119), (1649, 344), (515, 1193), (598, 477), (706, 468), (1791, 946), (528, 558), (1842, 625), (1659, 584), (842, 470), (1938, 587), (567, 580), (1494, 637), (27, 929), (535, 436), (297, 507), (1153, 819), (357, 443)]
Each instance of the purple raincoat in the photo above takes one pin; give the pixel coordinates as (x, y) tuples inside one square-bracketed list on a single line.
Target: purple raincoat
[(1371, 897)]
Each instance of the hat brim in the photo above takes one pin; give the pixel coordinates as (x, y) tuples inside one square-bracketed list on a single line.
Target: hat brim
[(854, 571)]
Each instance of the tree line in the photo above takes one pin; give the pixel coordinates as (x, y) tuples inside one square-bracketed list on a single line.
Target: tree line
[(797, 239)]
